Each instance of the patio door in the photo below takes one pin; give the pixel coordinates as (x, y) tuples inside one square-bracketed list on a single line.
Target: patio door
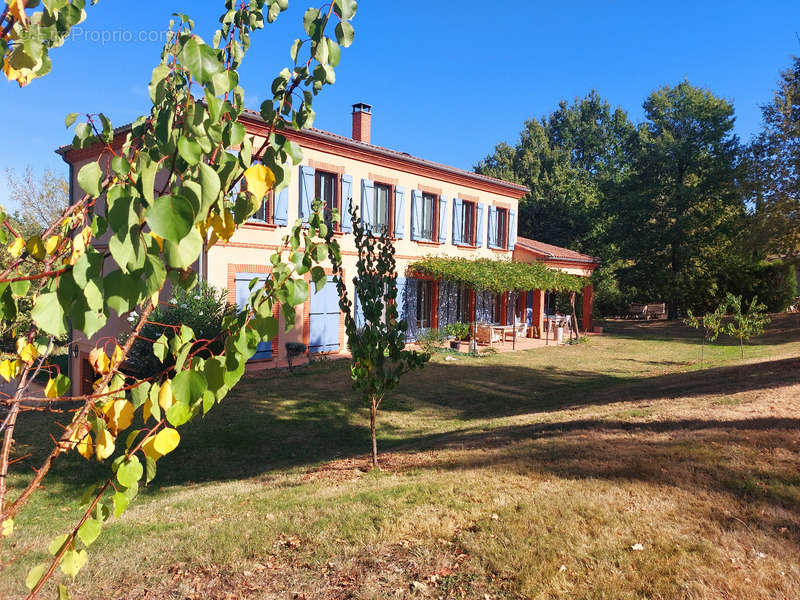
[(264, 350), (323, 316)]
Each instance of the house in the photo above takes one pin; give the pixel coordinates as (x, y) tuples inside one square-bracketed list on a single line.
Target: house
[(426, 208)]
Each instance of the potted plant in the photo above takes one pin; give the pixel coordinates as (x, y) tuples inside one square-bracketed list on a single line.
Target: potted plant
[(459, 332)]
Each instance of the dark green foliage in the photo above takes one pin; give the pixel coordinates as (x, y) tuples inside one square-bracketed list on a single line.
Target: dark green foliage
[(377, 343), (775, 283), (202, 308)]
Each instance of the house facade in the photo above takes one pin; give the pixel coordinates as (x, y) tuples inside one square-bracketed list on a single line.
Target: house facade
[(425, 207)]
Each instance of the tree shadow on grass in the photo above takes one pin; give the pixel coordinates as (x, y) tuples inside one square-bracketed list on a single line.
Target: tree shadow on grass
[(753, 461), (784, 328), (282, 421)]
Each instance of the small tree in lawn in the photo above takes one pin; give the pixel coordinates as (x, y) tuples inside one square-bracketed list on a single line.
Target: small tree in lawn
[(710, 323), (377, 342), (745, 325)]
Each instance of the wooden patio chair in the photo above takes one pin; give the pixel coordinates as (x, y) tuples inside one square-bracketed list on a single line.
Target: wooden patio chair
[(485, 335)]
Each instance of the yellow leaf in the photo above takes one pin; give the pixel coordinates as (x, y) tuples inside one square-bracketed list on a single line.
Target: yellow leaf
[(50, 389), (159, 240), (116, 356), (28, 353), (8, 528), (87, 235), (16, 247), (7, 370), (81, 440), (259, 181), (104, 446), (166, 440), (99, 361), (17, 9), (165, 397), (225, 226), (119, 415), (51, 243), (148, 447)]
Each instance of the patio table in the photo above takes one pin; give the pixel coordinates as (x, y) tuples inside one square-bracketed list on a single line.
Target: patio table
[(502, 329)]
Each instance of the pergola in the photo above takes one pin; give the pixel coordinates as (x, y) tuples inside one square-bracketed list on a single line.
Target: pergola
[(497, 276)]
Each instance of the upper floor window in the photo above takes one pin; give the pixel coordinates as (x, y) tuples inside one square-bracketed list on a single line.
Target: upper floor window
[(468, 210), (325, 189), (381, 209), (265, 212), (498, 227), (428, 220), (502, 228)]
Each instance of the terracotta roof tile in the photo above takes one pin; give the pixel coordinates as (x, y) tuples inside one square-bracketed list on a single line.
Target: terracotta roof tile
[(554, 252)]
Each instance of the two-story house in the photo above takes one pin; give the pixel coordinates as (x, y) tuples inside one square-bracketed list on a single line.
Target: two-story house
[(425, 207)]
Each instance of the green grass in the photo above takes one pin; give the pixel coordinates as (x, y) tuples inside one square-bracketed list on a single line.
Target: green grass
[(525, 475)]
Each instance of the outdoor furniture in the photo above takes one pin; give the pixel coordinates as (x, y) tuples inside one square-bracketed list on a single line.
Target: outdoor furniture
[(656, 311), (485, 334), (521, 327), (637, 311)]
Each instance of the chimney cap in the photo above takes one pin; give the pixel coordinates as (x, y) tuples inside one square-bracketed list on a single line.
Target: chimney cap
[(362, 107)]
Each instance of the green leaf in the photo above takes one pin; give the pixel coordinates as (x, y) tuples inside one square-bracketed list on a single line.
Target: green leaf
[(318, 277), (201, 60), (189, 150), (171, 217), (346, 9), (183, 254), (89, 531), (149, 469), (57, 543), (334, 53), (147, 176), (90, 178), (187, 387), (120, 166), (48, 314), (210, 185), (160, 347), (34, 575), (120, 503), (73, 562), (130, 472), (344, 34), (178, 414), (63, 593), (309, 21), (70, 119)]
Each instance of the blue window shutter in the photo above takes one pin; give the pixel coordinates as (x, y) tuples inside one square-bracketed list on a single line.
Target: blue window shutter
[(416, 214), (443, 219), (492, 238), (306, 192), (358, 313), (399, 212), (367, 203), (512, 229), (401, 298), (479, 226), (347, 199), (458, 220), (282, 207)]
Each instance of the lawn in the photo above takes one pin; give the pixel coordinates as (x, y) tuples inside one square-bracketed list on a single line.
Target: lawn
[(617, 468)]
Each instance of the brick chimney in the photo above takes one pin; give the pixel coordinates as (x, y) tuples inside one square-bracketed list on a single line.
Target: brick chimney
[(362, 122)]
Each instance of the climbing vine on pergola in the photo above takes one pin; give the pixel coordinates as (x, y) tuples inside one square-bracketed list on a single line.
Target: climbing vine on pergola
[(498, 276)]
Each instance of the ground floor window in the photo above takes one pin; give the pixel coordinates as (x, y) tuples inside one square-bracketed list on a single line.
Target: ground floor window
[(424, 304)]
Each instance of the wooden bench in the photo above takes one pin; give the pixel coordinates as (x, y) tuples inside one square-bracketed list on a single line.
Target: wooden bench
[(647, 311), (656, 311), (637, 311)]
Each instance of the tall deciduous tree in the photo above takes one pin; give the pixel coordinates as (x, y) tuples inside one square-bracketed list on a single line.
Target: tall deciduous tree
[(677, 221), (572, 160), (41, 198), (775, 169)]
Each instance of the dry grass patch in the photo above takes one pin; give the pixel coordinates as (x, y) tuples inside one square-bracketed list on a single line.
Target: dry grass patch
[(614, 469)]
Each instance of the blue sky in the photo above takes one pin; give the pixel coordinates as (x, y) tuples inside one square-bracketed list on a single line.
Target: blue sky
[(446, 83)]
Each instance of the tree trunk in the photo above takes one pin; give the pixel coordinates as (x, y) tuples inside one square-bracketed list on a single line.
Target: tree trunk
[(373, 413), (702, 351), (741, 346)]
